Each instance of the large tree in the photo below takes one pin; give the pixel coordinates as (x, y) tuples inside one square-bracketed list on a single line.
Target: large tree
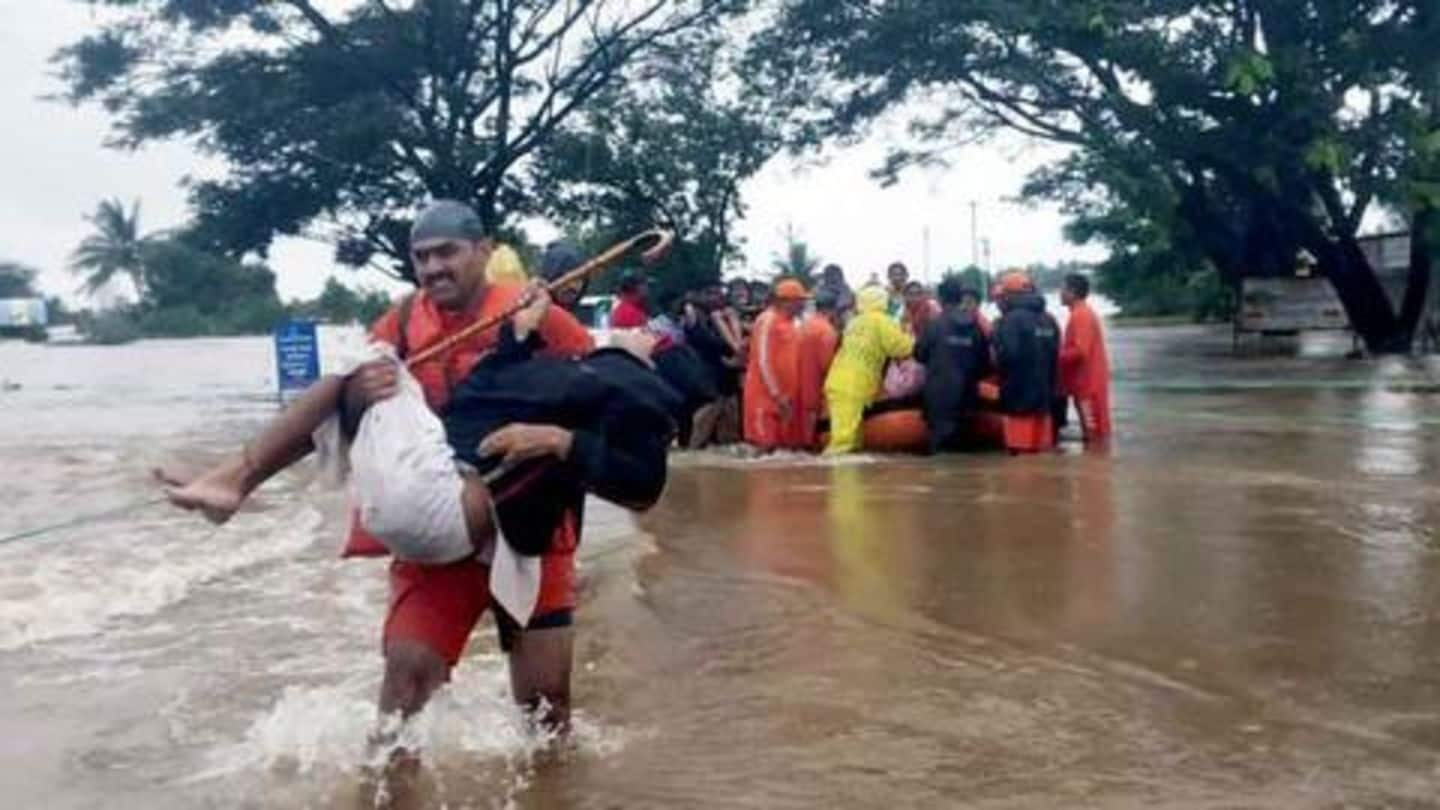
[(1270, 126), (672, 146), (337, 123), (17, 280)]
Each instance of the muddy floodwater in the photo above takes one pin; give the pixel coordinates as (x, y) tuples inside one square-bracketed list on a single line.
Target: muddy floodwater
[(1236, 606)]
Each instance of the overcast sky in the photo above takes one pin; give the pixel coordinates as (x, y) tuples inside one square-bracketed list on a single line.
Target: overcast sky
[(56, 169)]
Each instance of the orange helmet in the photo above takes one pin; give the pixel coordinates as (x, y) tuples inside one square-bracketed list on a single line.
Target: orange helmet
[(1016, 281), (790, 290)]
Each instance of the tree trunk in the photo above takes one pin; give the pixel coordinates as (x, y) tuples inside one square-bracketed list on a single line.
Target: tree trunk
[(1366, 303), (1417, 280)]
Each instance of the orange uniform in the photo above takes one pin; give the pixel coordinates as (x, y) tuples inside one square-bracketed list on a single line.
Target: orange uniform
[(438, 605), (774, 366), (818, 343), (1085, 371)]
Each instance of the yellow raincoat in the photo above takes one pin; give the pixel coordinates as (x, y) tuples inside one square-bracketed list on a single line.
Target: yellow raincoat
[(505, 265), (871, 339)]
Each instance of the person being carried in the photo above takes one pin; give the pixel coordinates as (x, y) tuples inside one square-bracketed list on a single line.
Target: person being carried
[(434, 490), (956, 356), (1084, 363), (871, 339)]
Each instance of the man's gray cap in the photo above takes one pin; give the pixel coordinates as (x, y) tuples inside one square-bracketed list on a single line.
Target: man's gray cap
[(447, 219)]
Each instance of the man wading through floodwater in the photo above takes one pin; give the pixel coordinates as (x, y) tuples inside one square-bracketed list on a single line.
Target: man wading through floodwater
[(434, 606)]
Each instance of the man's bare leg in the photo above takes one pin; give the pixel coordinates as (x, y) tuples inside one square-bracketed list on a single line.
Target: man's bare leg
[(704, 424), (540, 665), (413, 673), (219, 491)]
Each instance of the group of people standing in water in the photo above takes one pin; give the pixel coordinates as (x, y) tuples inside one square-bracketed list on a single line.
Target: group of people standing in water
[(782, 367), (472, 452)]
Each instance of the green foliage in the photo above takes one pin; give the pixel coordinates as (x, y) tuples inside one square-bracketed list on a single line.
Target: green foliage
[(347, 119), (57, 312), (1146, 285), (186, 292), (673, 148), (111, 327), (1240, 131), (797, 262), (116, 247), (17, 280), (972, 277), (373, 304), (337, 303), (184, 320)]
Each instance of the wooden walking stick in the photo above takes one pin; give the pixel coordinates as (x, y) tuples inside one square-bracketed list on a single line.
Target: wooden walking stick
[(659, 242)]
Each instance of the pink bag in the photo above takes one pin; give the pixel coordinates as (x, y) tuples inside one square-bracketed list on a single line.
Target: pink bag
[(903, 378)]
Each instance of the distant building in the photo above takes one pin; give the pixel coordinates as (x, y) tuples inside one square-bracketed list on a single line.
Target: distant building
[(23, 318)]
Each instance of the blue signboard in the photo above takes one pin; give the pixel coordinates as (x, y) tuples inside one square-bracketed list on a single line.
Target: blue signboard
[(297, 357)]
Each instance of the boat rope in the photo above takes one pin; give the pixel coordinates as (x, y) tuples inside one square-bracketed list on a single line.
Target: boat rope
[(94, 517)]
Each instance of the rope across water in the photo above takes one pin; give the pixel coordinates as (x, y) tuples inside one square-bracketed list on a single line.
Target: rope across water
[(82, 520)]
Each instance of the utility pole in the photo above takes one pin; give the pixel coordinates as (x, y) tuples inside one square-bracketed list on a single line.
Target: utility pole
[(925, 240), (975, 233)]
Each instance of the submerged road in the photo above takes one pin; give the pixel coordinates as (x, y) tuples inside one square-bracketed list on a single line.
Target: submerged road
[(1237, 606)]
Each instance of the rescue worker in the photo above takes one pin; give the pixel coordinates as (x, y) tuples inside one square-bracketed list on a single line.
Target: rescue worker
[(819, 339), (871, 339), (505, 266), (956, 355), (1084, 363), (1027, 354), (771, 394)]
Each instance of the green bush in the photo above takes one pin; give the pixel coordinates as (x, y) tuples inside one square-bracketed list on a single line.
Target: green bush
[(109, 328), (253, 316), (181, 321)]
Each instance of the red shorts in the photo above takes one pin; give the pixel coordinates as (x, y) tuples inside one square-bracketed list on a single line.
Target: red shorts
[(439, 605)]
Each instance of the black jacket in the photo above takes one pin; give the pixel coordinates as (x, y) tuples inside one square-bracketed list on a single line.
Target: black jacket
[(1027, 351), (956, 355), (620, 413), (707, 342)]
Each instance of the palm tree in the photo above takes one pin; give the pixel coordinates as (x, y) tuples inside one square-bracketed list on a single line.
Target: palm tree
[(797, 263), (115, 247)]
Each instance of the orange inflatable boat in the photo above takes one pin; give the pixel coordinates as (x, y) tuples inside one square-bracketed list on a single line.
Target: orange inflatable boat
[(892, 428)]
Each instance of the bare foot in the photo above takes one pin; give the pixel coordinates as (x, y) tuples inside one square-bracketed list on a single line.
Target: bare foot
[(217, 494)]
